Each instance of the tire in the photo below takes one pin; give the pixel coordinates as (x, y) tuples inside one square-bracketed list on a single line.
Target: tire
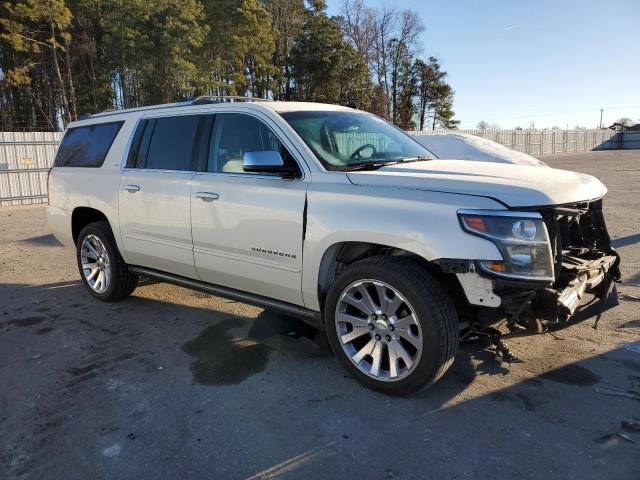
[(118, 283), (429, 338)]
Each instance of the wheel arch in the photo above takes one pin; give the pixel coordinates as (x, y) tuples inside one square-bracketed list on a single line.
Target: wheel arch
[(83, 216), (340, 255)]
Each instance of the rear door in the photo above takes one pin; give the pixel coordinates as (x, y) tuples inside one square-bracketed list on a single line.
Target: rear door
[(247, 227), (155, 191)]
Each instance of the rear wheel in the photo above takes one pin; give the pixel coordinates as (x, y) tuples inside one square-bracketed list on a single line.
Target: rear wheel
[(102, 269), (391, 324)]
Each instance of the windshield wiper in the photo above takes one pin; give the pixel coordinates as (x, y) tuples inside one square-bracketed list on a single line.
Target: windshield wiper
[(372, 165), (416, 159), (377, 165)]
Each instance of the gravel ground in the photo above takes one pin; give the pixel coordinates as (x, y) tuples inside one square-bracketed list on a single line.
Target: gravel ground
[(177, 384)]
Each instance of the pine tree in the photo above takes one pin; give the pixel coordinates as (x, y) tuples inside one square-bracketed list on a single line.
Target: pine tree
[(36, 31), (288, 17), (328, 69)]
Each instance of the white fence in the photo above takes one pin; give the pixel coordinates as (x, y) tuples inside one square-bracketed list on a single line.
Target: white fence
[(544, 142), (25, 158)]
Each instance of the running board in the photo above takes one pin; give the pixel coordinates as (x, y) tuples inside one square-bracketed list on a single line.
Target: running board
[(310, 317)]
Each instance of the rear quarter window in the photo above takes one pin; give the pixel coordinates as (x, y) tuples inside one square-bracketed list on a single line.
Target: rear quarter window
[(87, 146)]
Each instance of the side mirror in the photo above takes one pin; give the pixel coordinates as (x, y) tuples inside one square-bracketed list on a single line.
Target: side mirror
[(267, 161)]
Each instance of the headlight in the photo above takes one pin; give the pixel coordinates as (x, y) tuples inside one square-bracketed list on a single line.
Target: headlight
[(521, 237)]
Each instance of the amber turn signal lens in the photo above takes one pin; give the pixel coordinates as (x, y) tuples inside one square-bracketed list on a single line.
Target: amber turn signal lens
[(476, 223), (495, 266)]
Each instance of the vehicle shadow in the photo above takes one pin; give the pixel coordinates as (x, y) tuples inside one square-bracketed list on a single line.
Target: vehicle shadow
[(633, 280), (42, 241), (625, 241)]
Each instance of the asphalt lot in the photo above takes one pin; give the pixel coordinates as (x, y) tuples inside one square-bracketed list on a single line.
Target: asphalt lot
[(177, 384)]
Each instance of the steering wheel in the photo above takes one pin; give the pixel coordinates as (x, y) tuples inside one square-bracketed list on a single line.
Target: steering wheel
[(359, 150)]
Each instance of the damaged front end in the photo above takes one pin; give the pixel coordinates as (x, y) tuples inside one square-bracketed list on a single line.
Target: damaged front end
[(553, 258), (585, 261)]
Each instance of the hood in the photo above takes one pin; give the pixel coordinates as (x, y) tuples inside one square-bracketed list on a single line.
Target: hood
[(513, 185)]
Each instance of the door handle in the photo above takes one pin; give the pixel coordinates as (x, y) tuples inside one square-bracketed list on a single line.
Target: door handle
[(207, 196), (131, 188)]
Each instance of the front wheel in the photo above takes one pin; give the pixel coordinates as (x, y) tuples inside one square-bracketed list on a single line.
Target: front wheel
[(391, 324)]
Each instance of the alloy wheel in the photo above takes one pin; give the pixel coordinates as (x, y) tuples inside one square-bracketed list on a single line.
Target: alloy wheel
[(378, 330), (96, 267)]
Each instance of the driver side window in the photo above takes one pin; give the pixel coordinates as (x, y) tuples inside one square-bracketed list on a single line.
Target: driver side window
[(234, 135)]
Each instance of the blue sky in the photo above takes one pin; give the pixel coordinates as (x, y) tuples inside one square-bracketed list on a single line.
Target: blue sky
[(548, 62)]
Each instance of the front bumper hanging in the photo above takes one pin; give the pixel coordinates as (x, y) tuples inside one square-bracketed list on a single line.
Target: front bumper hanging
[(589, 275)]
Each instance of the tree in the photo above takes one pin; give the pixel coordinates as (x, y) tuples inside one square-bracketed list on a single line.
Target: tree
[(358, 25), (401, 51), (482, 125), (443, 109), (384, 25), (405, 108), (288, 17), (328, 69), (88, 54), (239, 48), (37, 30), (379, 102), (174, 31), (430, 79), (62, 58), (148, 50), (434, 95), (388, 39)]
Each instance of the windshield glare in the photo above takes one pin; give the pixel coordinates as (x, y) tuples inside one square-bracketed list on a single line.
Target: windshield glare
[(342, 140)]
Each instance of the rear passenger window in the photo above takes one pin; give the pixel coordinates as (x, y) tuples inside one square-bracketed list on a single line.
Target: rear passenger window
[(172, 142), (86, 146)]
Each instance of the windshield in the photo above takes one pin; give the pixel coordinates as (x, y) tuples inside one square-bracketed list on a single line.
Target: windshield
[(346, 140)]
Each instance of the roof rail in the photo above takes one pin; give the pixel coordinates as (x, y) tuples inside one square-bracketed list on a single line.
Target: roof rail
[(205, 99), (115, 111)]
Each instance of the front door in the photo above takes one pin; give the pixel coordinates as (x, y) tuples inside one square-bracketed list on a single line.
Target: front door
[(247, 228)]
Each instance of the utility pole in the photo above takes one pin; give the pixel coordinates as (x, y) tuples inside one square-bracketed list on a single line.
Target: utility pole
[(601, 117)]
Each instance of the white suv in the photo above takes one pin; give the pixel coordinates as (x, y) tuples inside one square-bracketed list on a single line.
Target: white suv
[(331, 215)]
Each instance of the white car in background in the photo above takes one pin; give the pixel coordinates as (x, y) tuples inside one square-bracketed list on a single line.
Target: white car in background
[(463, 146)]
